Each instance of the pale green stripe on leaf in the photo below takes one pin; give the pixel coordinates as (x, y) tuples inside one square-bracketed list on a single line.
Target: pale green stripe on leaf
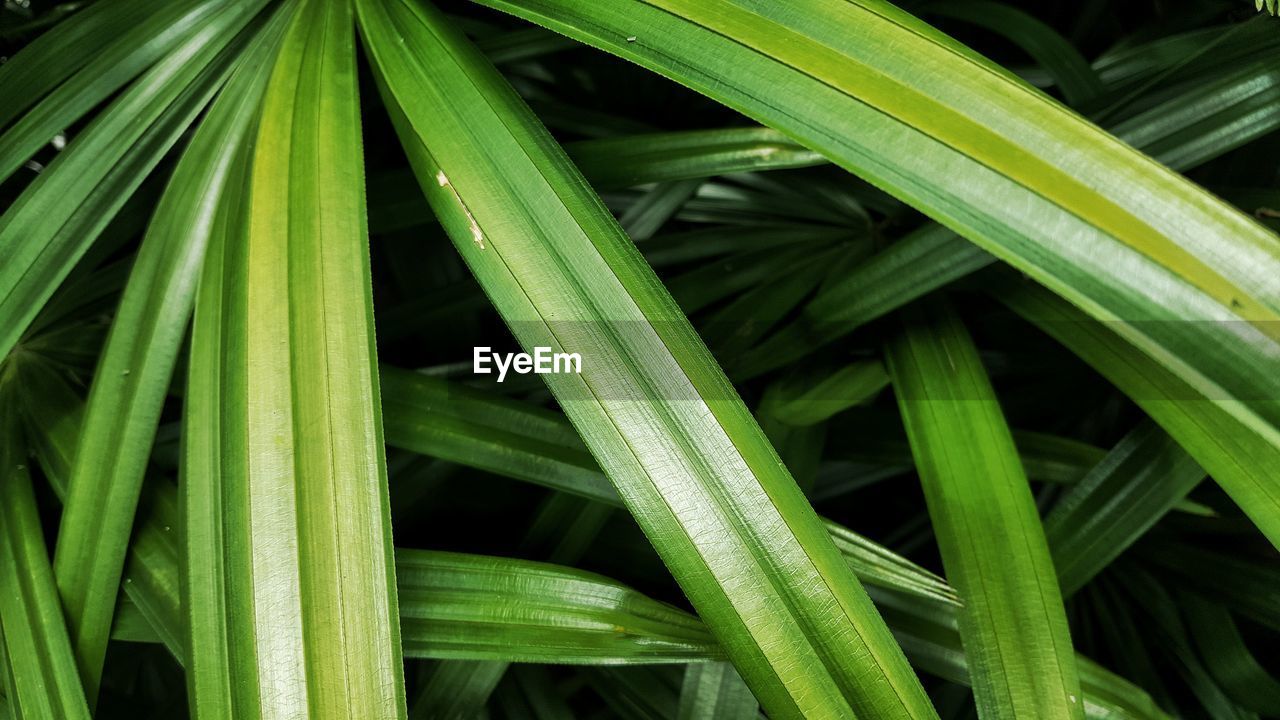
[(288, 521)]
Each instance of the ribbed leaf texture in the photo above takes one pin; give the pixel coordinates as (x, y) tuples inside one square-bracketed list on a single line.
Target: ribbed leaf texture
[(291, 585)]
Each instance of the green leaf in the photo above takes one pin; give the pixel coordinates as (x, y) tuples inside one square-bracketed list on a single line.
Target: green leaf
[(121, 39), (993, 548), (53, 412), (563, 530), (152, 581), (1221, 109), (741, 323), (624, 161), (483, 430), (722, 279), (695, 245), (579, 614), (638, 693), (1172, 640), (55, 220), (1079, 82), (43, 681), (58, 53), (799, 448), (472, 607), (1172, 269), (456, 689), (1140, 480), (682, 450), (809, 398), (133, 375), (523, 44), (928, 634), (909, 269), (290, 590), (1227, 658), (6, 682), (1219, 114), (881, 567), (1045, 458), (479, 429), (532, 692), (714, 691), (658, 205), (1234, 454), (692, 154), (1248, 584)]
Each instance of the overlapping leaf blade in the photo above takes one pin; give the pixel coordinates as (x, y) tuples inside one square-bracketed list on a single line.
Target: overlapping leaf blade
[(133, 375), (1171, 269), (713, 691), (663, 157), (460, 606), (1073, 75), (57, 54), (53, 413), (55, 220), (43, 681), (1202, 121), (1142, 478), (928, 633), (508, 437), (131, 42), (1234, 454), (683, 452)]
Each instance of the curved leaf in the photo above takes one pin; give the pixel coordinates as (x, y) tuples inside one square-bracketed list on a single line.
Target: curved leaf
[(55, 220), (1236, 456), (135, 41), (53, 412), (1172, 269), (508, 437), (1227, 658), (927, 631), (714, 691), (474, 607), (682, 450), (1079, 82), (133, 375), (664, 157), (59, 52)]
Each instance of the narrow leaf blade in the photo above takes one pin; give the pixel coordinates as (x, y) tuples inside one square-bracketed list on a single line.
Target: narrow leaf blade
[(287, 515), (683, 451), (993, 547)]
